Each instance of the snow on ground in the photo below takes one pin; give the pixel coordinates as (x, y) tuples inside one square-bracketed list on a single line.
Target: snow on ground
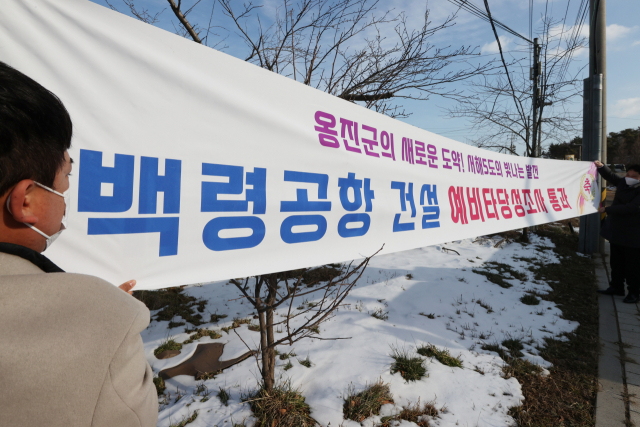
[(440, 283)]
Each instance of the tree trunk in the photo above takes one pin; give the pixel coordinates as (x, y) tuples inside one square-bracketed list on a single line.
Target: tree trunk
[(265, 316)]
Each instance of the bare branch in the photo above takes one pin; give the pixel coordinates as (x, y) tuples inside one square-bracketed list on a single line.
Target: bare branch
[(183, 20)]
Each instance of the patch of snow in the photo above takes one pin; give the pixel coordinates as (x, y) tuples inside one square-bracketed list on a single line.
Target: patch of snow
[(442, 283)]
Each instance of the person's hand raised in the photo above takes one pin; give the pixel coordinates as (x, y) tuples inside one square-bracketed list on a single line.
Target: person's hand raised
[(127, 286), (598, 164)]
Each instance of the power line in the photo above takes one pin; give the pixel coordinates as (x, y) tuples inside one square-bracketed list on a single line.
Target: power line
[(575, 33), (475, 10)]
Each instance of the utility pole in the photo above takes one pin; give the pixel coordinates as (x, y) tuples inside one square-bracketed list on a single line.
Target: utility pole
[(594, 132), (536, 71)]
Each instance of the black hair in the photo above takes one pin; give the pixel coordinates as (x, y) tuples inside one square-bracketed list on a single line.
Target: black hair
[(634, 167), (35, 130)]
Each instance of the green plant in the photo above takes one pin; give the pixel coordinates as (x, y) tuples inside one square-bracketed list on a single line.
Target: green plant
[(168, 344), (362, 405), (285, 356), (206, 375), (380, 314), (201, 390), (223, 396), (529, 299), (410, 368), (514, 345), (496, 348), (254, 327), (215, 318), (201, 332), (443, 356), (284, 406), (288, 366), (306, 362), (186, 420), (160, 385), (237, 322)]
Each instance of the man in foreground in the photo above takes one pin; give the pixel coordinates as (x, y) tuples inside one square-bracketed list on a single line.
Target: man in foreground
[(624, 235), (71, 352)]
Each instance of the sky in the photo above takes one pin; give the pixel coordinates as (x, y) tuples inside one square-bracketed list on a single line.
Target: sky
[(623, 48)]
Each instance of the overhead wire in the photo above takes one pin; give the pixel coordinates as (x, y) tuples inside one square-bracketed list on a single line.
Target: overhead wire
[(575, 34), (475, 10)]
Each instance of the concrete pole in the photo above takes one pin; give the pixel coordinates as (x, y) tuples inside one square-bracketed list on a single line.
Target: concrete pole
[(598, 59), (598, 67), (536, 99), (594, 119)]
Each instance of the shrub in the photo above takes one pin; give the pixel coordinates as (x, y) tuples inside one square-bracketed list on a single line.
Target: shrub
[(366, 403)]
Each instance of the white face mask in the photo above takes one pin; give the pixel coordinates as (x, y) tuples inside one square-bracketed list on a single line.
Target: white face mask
[(63, 225), (631, 181)]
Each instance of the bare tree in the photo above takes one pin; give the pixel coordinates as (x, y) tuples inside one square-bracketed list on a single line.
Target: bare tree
[(344, 47), (500, 108), (269, 292), (341, 47), (141, 14)]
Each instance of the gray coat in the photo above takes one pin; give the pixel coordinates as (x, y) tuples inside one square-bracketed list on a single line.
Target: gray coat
[(71, 352), (624, 212)]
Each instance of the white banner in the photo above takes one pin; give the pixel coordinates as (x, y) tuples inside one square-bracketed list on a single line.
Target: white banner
[(193, 166)]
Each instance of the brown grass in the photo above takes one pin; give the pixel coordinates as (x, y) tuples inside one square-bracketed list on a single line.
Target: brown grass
[(566, 397), (173, 302), (415, 413), (284, 406), (362, 405)]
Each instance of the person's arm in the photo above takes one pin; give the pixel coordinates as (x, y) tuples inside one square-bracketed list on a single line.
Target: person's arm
[(128, 394), (631, 208), (607, 174)]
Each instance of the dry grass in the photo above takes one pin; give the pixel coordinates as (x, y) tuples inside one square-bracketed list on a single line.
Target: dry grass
[(284, 406), (186, 420), (173, 302), (566, 397), (201, 332), (160, 385), (362, 405), (416, 413), (236, 324)]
